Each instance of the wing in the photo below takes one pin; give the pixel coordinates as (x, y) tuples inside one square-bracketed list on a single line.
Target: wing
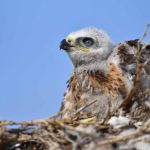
[(135, 65), (127, 53)]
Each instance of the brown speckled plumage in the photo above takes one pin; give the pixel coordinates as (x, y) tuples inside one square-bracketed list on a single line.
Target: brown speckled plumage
[(102, 76)]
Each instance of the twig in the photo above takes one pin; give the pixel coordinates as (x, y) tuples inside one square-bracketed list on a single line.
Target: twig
[(144, 33), (119, 138), (84, 107), (139, 68)]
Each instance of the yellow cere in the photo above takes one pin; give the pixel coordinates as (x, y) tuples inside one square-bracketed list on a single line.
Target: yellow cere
[(69, 40)]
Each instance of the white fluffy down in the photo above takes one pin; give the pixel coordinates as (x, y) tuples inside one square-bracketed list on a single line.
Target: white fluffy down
[(118, 122)]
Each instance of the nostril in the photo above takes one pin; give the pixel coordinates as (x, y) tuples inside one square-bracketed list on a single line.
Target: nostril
[(69, 40)]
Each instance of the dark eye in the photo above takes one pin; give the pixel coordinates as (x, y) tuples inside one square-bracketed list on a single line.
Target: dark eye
[(88, 42)]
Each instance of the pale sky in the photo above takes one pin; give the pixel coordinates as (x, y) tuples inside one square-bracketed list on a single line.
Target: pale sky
[(33, 71)]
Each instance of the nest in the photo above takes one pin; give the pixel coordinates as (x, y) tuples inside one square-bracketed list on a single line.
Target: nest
[(117, 133)]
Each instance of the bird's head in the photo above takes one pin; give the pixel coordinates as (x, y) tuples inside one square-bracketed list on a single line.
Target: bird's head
[(87, 45)]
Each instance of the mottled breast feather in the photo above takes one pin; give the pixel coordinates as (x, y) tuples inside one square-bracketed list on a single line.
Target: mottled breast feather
[(110, 89)]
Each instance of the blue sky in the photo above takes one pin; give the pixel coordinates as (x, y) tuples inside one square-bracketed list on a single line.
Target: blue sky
[(33, 71)]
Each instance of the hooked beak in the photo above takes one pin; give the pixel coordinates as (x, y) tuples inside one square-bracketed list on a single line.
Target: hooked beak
[(65, 45), (68, 47)]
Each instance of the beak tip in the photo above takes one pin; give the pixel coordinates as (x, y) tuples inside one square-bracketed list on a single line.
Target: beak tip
[(64, 45)]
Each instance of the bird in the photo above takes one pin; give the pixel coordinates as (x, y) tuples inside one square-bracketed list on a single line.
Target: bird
[(103, 73)]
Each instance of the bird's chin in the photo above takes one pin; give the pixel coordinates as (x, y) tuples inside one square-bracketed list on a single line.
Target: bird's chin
[(71, 50), (78, 58), (76, 49), (67, 49)]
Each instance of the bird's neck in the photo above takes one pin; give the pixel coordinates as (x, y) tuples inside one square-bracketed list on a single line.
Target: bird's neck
[(100, 66), (90, 59), (91, 62)]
